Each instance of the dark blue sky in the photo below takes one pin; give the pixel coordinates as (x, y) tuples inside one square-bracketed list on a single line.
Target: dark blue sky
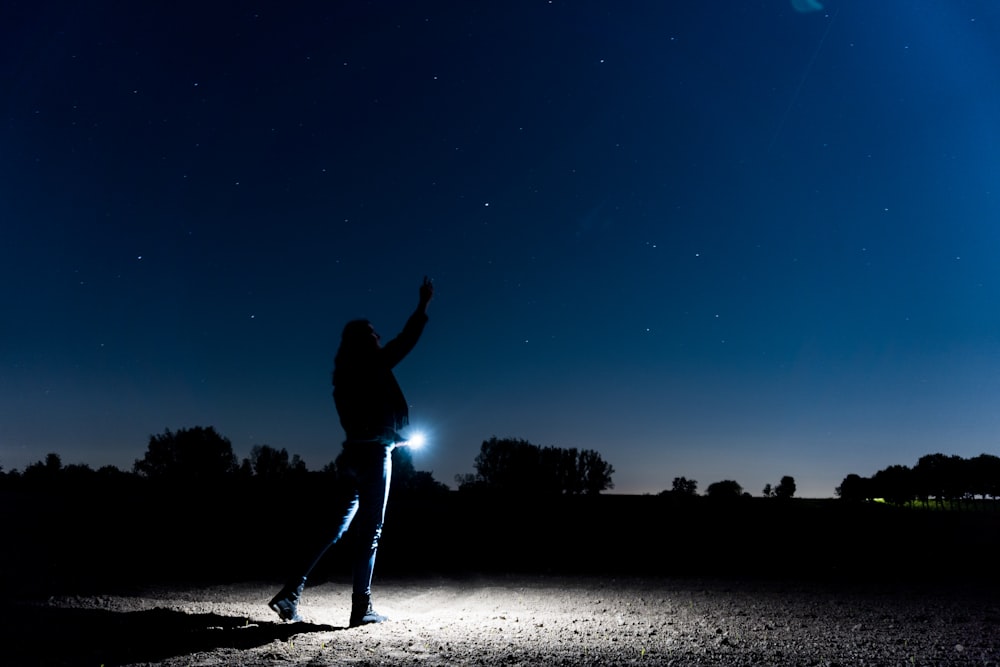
[(721, 240)]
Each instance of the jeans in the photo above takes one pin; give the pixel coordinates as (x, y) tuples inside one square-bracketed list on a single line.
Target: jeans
[(364, 471)]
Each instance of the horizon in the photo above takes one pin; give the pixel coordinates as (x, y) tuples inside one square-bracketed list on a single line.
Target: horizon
[(702, 485)]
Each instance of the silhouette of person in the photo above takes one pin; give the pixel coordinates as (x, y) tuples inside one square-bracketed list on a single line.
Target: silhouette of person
[(372, 411)]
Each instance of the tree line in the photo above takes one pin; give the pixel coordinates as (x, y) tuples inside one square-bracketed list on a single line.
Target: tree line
[(200, 455), (945, 480), (513, 464), (683, 487)]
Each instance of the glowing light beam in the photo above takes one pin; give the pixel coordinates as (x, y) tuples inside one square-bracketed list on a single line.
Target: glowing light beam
[(414, 440)]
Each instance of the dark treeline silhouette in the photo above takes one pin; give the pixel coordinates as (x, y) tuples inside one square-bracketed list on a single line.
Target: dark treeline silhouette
[(947, 480), (188, 455), (513, 464), (682, 488), (189, 508), (783, 491), (51, 471), (199, 457), (74, 528), (270, 463), (727, 489)]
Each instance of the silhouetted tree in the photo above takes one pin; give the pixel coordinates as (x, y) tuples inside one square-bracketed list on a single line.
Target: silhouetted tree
[(946, 478), (270, 463), (894, 484), (51, 473), (594, 473), (684, 487), (469, 482), (198, 453), (939, 476), (725, 489), (768, 491), (44, 470), (552, 472), (77, 473), (245, 469), (983, 474), (113, 474), (512, 463), (507, 462), (785, 488), (423, 482), (854, 488)]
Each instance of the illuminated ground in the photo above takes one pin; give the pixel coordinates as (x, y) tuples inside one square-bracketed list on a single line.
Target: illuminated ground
[(538, 620)]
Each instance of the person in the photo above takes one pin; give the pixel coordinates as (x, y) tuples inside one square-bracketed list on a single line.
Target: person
[(372, 411)]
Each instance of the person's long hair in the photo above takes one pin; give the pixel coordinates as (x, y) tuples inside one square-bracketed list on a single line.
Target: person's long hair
[(356, 348)]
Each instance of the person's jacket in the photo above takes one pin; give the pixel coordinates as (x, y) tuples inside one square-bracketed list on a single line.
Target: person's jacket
[(369, 400)]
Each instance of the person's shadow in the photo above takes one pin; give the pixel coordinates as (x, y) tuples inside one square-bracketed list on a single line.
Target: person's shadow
[(38, 635)]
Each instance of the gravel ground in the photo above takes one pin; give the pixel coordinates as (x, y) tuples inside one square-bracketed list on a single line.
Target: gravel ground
[(519, 621)]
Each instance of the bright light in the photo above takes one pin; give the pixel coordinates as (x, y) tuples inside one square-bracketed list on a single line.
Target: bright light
[(415, 440)]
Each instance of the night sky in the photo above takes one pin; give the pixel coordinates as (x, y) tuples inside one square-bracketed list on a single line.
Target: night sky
[(719, 240)]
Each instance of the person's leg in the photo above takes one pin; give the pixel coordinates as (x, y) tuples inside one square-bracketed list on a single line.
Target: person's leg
[(348, 510), (373, 480), (285, 603)]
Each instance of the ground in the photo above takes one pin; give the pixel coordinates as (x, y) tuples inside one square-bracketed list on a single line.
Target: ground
[(518, 620)]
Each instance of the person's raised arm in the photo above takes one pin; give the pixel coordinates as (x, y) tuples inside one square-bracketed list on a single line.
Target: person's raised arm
[(426, 294), (400, 346)]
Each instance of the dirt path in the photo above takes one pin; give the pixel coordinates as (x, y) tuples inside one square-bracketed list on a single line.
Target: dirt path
[(518, 621)]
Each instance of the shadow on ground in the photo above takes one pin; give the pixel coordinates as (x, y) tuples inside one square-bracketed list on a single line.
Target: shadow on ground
[(48, 636)]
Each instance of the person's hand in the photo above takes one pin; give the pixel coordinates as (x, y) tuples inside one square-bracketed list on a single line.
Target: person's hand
[(426, 290)]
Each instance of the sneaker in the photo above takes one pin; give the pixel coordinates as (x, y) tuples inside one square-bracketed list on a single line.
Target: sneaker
[(286, 602), (362, 612)]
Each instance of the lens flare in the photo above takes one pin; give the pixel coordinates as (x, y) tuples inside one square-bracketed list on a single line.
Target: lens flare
[(415, 440)]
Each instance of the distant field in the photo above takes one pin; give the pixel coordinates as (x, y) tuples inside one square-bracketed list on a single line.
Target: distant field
[(71, 539)]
